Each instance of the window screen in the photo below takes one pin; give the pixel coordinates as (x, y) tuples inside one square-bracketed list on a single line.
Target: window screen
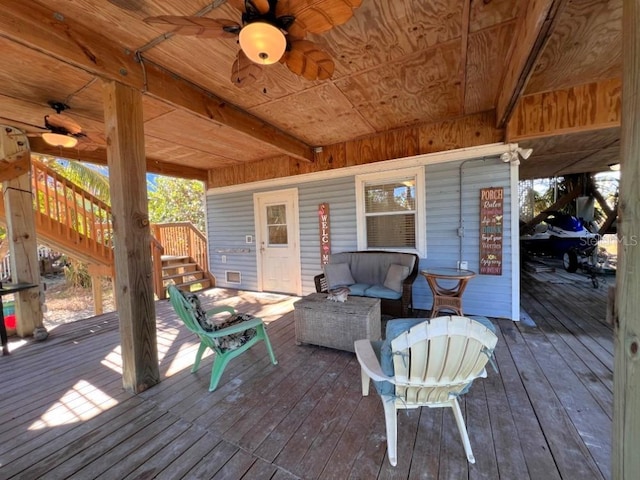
[(390, 211)]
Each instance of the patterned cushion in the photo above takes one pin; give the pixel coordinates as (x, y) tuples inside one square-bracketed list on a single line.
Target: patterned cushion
[(228, 342), (198, 311)]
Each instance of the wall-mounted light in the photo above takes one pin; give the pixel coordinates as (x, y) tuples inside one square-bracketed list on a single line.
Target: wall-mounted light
[(614, 166), (262, 42), (60, 140), (514, 155)]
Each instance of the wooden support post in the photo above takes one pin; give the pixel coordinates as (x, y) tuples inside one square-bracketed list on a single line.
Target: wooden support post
[(21, 230), (133, 283), (97, 272), (626, 393)]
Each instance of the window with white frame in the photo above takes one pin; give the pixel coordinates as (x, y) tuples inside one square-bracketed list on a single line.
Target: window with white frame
[(390, 211)]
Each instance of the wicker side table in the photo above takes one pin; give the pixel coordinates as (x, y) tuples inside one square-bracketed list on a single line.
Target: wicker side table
[(319, 321)]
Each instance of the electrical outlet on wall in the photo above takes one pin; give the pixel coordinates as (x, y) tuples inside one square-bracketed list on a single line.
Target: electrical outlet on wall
[(223, 259), (463, 265)]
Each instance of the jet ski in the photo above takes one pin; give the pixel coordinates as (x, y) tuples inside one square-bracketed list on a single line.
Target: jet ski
[(561, 236)]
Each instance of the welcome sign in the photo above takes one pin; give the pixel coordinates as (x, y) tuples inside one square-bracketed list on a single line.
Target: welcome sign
[(491, 224), (325, 235)]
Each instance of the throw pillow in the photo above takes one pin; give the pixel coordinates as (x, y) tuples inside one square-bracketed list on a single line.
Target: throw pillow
[(395, 276), (338, 275)]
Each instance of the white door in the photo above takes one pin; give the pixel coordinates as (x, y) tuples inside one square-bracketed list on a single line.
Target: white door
[(278, 241)]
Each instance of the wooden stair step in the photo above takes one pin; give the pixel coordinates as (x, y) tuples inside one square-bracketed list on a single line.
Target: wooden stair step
[(199, 273)]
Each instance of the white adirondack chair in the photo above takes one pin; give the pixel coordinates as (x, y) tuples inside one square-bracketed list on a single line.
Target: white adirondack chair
[(434, 361)]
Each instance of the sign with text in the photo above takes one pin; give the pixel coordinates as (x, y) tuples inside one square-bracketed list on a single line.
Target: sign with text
[(325, 235), (491, 223)]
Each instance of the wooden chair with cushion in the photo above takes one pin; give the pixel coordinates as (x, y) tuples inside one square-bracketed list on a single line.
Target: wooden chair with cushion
[(227, 339), (429, 364)]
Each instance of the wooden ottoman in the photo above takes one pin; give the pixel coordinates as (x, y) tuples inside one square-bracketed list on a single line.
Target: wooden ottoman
[(319, 321)]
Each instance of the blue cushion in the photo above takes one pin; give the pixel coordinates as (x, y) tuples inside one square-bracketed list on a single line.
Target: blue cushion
[(394, 328), (358, 289), (378, 291)]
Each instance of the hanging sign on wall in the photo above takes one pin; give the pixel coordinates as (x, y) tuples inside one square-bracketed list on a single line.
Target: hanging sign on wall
[(325, 235), (491, 223)]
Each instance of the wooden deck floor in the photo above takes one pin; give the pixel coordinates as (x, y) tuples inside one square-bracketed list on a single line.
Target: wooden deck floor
[(546, 415)]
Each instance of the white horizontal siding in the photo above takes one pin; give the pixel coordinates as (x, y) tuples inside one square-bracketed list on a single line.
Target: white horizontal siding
[(230, 218), (486, 294)]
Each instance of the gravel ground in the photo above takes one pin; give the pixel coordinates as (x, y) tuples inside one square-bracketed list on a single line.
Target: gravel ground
[(66, 303)]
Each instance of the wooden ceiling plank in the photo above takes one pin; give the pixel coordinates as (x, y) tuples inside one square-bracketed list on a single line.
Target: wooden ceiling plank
[(99, 157), (50, 32), (593, 106), (534, 27)]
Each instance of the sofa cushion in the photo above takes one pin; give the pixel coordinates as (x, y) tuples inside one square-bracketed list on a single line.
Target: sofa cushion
[(338, 275), (358, 289), (372, 267), (378, 291), (395, 276), (394, 328)]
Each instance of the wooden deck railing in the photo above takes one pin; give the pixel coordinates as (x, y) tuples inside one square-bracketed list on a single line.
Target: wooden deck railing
[(182, 239), (75, 219), (79, 224)]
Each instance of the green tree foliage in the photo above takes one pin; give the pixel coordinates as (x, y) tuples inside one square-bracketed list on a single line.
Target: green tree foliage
[(92, 178), (177, 200)]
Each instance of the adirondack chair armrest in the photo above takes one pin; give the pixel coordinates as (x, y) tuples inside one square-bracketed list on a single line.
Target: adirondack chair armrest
[(220, 309), (369, 362), (237, 328)]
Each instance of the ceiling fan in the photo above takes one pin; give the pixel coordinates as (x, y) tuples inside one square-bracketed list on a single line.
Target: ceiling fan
[(271, 31), (60, 129)]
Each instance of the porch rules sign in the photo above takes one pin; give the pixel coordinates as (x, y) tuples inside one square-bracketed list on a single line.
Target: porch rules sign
[(325, 236), (491, 216)]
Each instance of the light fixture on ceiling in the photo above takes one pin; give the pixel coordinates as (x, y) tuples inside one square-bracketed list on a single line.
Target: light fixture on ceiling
[(60, 140), (614, 166), (262, 42)]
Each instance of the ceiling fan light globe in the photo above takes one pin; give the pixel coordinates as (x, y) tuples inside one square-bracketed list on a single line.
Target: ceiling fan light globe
[(59, 140), (262, 43)]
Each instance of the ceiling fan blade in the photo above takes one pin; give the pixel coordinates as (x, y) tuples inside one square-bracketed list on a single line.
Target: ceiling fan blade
[(309, 61), (202, 27), (63, 122), (244, 72), (237, 4), (322, 15)]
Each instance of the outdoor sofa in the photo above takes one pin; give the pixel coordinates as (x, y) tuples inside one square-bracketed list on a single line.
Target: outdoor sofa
[(388, 276)]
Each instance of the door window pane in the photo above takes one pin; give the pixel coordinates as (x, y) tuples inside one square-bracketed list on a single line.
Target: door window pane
[(277, 224)]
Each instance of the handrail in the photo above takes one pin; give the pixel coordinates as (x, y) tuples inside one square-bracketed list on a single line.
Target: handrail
[(77, 219), (183, 239), (79, 224)]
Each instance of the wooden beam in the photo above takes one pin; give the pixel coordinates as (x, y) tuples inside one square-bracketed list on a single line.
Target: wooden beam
[(43, 29), (559, 204), (132, 236), (169, 87), (534, 26), (593, 106), (99, 157), (626, 376), (21, 235), (463, 132)]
